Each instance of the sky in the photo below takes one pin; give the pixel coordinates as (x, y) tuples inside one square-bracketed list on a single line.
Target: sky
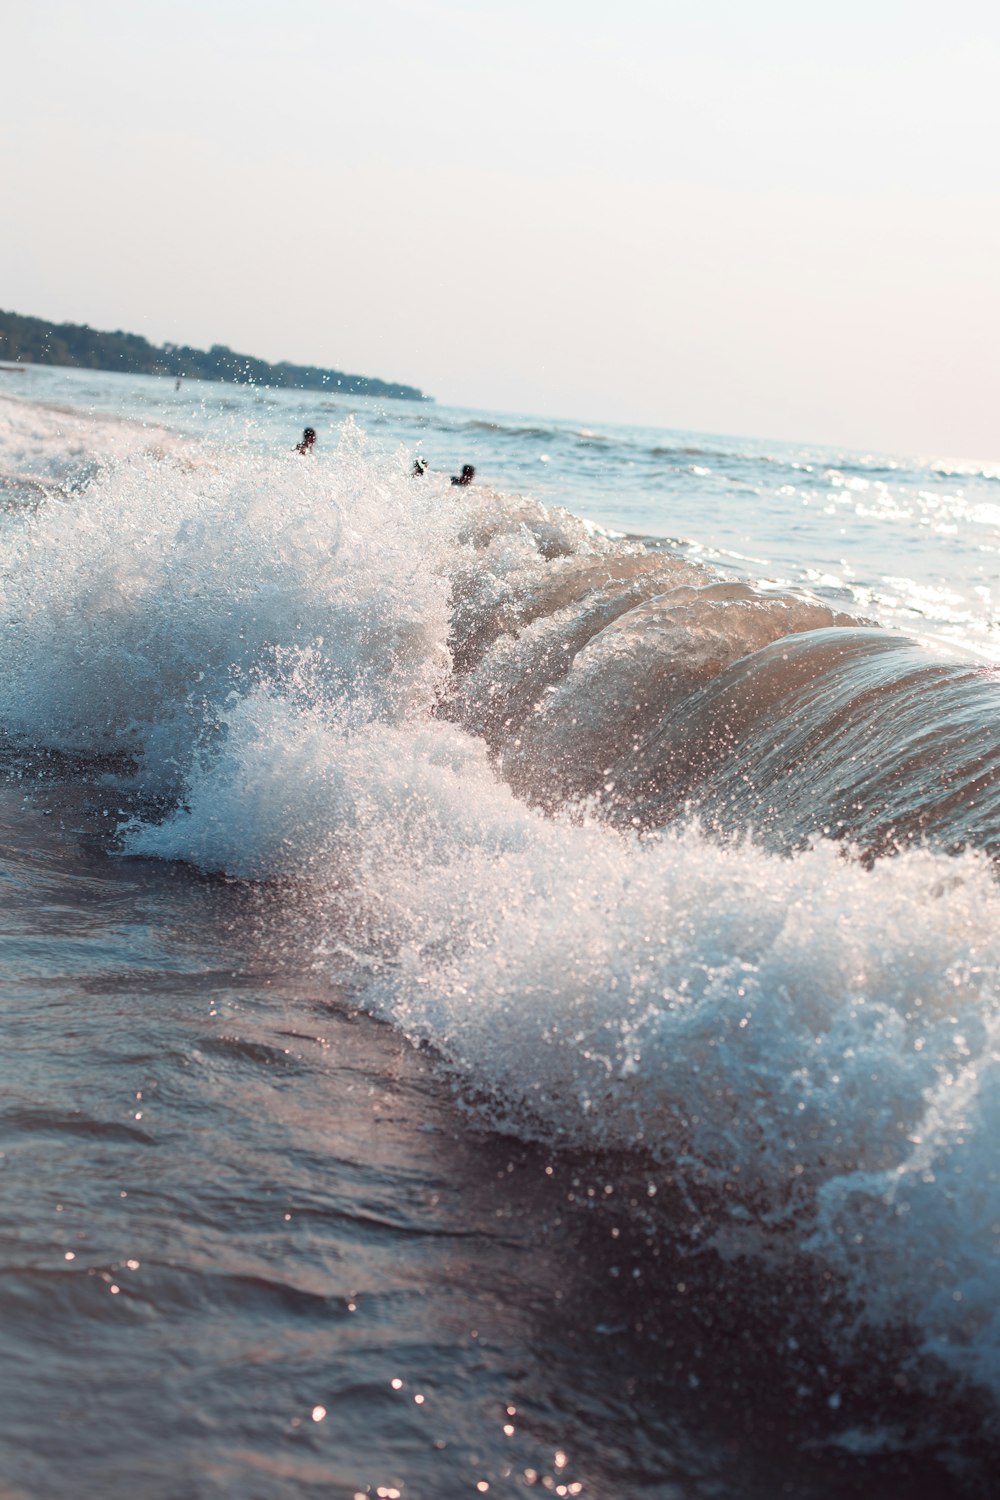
[(776, 219)]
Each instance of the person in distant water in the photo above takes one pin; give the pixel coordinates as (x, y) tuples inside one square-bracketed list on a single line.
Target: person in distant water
[(467, 475), (308, 439), (419, 468), (177, 383)]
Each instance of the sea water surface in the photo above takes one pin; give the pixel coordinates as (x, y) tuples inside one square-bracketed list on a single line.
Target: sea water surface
[(499, 986)]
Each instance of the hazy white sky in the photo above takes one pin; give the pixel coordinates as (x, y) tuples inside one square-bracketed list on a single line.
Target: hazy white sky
[(778, 218)]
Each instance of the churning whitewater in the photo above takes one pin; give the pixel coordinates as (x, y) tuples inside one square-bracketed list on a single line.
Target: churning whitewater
[(670, 869)]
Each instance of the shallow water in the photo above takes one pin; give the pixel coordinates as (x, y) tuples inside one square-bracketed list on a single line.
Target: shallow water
[(447, 945), (247, 1230)]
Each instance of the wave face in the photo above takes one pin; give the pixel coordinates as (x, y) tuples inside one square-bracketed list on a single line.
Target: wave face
[(609, 831), (850, 732)]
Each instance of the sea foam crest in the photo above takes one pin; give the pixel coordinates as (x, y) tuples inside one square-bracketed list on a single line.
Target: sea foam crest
[(283, 645), (140, 608), (811, 1045), (56, 446)]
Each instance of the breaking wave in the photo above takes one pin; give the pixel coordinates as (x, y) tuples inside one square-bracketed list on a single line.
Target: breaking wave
[(609, 832)]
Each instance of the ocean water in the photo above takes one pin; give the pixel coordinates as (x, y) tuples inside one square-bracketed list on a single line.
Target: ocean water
[(500, 985)]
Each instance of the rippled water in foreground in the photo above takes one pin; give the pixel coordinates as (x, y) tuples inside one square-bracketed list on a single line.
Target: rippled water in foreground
[(250, 1248)]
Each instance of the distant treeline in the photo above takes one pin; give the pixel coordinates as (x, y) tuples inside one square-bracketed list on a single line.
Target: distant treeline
[(34, 341)]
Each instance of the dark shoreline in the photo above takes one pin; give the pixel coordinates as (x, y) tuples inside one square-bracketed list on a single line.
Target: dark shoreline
[(26, 341)]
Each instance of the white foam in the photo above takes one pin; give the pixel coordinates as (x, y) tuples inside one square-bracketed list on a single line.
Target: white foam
[(812, 1043), (140, 608), (57, 445)]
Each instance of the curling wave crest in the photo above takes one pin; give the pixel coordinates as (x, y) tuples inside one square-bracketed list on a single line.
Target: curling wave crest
[(467, 738)]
